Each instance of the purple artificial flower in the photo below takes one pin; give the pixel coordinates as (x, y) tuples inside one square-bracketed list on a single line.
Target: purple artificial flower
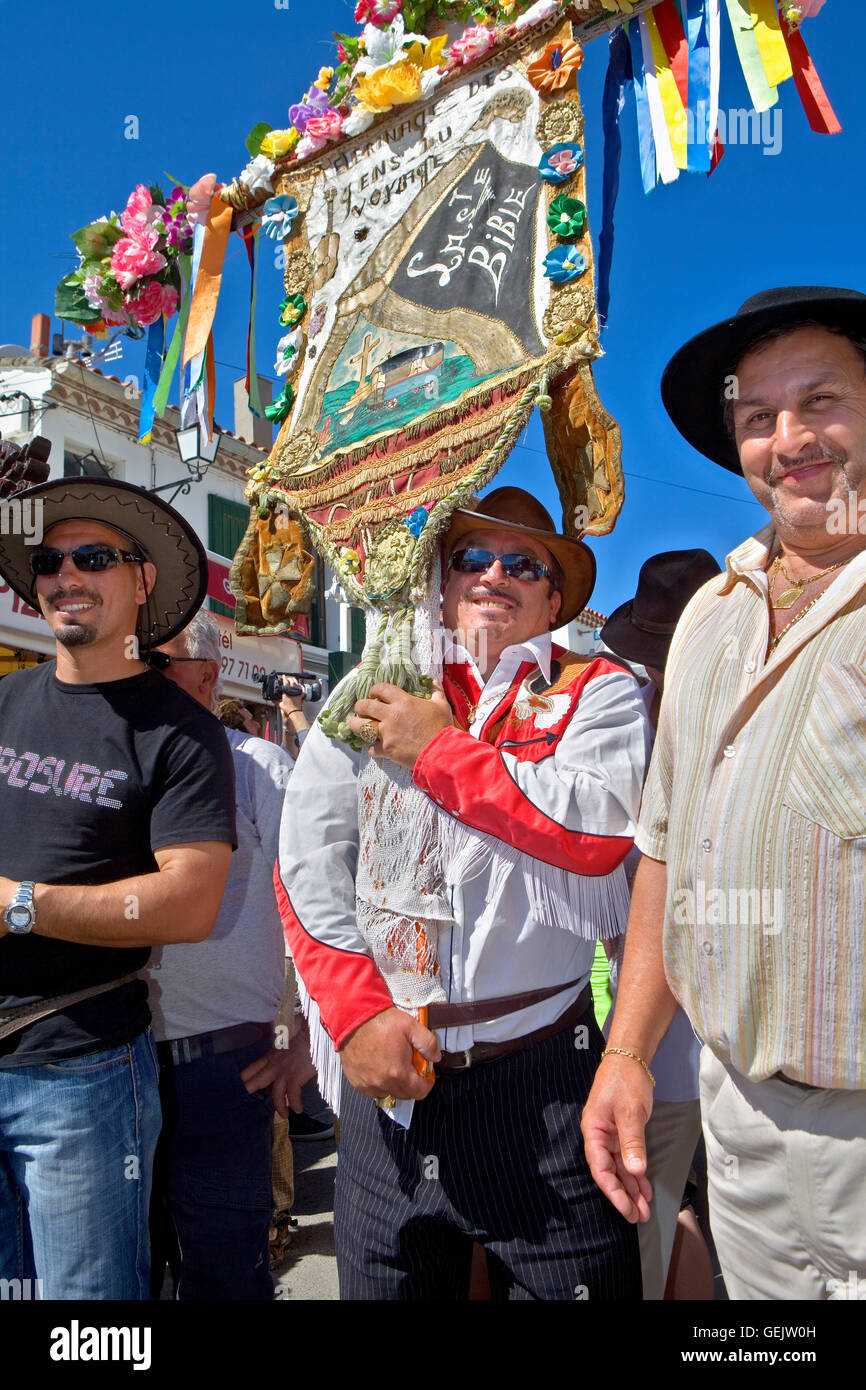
[(315, 103)]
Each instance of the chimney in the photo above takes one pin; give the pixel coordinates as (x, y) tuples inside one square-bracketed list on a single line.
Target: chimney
[(247, 426), (40, 335)]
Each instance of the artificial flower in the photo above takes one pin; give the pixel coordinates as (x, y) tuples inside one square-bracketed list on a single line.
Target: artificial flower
[(324, 78), (358, 119), (317, 319), (328, 126), (278, 142), (564, 263), (140, 211), (154, 299), (542, 9), (278, 214), (559, 162), (279, 408), (292, 310), (417, 520), (256, 176), (198, 200), (315, 103), (385, 46), (287, 351), (566, 216), (131, 259), (307, 145), (349, 560), (389, 86), (378, 12), (427, 55), (474, 43), (555, 66), (804, 9), (506, 6)]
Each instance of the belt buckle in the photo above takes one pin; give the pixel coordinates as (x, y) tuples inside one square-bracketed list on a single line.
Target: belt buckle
[(467, 1060)]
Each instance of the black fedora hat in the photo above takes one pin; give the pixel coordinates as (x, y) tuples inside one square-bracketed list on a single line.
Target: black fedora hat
[(514, 509), (695, 378), (641, 629), (157, 530)]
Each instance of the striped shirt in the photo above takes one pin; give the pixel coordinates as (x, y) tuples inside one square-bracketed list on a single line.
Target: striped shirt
[(756, 801)]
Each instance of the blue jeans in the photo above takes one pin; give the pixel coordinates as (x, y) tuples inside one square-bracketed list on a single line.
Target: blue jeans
[(77, 1139)]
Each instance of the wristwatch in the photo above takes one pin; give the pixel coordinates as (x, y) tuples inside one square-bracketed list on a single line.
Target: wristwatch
[(20, 915)]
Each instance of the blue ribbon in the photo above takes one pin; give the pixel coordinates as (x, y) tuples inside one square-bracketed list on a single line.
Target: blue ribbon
[(152, 369), (701, 139), (619, 73), (648, 171)]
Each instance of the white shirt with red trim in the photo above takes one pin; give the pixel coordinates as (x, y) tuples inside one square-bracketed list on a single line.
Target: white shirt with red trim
[(558, 791)]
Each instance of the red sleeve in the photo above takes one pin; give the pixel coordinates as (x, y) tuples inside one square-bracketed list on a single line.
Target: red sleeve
[(470, 779), (346, 985)]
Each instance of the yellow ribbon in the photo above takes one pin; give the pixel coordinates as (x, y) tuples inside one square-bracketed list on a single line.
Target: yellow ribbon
[(207, 285), (672, 102), (771, 41)]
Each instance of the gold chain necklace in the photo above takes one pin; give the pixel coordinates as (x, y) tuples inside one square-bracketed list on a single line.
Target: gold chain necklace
[(788, 597), (774, 641)]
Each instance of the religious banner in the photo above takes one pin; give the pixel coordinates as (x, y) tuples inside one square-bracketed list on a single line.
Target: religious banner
[(439, 282)]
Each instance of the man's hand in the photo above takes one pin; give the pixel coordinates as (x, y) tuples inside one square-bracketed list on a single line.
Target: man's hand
[(285, 1070), (377, 1057), (613, 1124), (406, 722)]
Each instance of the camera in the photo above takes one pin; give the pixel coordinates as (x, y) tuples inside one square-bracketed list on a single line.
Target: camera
[(278, 683)]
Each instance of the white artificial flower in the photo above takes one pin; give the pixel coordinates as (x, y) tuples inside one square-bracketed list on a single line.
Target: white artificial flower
[(385, 46), (430, 80), (358, 119), (308, 145), (543, 9), (257, 175), (287, 359)]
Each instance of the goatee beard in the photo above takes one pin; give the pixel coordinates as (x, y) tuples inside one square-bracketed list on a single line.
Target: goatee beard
[(75, 636)]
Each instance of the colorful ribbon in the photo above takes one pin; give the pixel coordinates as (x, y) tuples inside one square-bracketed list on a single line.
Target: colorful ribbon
[(667, 167), (160, 400), (152, 369), (648, 167), (207, 281), (816, 103), (762, 95), (250, 235), (771, 42), (619, 73), (672, 75)]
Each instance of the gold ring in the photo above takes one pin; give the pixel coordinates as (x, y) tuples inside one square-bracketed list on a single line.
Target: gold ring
[(386, 1102), (369, 731)]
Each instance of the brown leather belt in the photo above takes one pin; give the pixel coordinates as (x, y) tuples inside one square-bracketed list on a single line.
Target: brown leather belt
[(489, 1052), (179, 1050), (486, 1010)]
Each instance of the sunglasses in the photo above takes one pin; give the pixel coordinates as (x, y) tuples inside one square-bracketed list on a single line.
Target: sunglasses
[(160, 661), (89, 559), (475, 561)]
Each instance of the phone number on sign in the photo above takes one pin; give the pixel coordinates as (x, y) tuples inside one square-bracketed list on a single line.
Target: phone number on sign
[(242, 670)]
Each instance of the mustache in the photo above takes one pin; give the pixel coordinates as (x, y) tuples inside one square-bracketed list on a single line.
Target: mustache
[(73, 595), (785, 465), (473, 595)]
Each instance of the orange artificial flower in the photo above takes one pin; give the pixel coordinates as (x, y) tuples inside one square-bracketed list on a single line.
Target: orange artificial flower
[(555, 66)]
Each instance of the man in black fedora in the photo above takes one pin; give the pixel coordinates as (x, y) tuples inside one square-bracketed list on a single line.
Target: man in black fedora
[(118, 825), (750, 900), (477, 894)]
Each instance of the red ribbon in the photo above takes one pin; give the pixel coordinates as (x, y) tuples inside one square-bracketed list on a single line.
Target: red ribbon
[(816, 103)]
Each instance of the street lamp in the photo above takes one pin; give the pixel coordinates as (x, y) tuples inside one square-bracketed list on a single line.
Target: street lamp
[(197, 452)]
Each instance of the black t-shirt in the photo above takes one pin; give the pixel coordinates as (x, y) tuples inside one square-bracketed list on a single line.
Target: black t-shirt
[(93, 779)]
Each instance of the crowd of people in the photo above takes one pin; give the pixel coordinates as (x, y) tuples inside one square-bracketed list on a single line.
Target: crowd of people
[(692, 797)]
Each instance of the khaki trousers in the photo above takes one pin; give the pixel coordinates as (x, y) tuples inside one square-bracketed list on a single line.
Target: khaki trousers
[(787, 1185), (671, 1139)]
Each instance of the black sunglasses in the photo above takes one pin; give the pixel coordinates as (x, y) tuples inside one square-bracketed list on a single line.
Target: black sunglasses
[(89, 559), (475, 561), (160, 661)]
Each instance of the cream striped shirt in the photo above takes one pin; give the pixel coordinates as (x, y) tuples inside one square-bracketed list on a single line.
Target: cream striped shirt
[(756, 801)]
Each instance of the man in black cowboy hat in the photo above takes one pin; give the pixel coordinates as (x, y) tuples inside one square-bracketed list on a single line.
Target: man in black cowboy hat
[(750, 901), (524, 771), (118, 826)]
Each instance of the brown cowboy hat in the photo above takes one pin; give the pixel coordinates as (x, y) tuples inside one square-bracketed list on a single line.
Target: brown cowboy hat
[(513, 509)]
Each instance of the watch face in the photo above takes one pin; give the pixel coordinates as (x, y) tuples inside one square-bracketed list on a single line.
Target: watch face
[(19, 918)]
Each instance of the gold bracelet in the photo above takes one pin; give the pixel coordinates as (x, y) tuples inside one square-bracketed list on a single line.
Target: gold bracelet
[(624, 1052)]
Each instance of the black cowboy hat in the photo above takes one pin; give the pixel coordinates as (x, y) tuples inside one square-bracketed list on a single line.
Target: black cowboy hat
[(641, 629), (695, 377), (514, 509), (156, 530)]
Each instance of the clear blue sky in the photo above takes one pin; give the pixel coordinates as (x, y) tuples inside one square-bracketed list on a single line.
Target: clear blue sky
[(199, 75)]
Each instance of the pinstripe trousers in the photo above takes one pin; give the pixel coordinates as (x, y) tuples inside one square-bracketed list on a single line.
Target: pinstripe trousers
[(493, 1154)]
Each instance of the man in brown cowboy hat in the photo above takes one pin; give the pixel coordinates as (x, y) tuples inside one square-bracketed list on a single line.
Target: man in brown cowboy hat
[(750, 900), (530, 762), (117, 833)]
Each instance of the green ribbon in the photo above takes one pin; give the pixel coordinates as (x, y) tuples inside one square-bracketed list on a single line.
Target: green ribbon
[(762, 95), (160, 400)]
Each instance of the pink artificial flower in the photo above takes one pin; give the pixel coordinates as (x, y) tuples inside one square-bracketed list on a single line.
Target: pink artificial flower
[(154, 299), (563, 162), (140, 211), (198, 200), (325, 127), (809, 8), (475, 42), (341, 53), (307, 145), (130, 260)]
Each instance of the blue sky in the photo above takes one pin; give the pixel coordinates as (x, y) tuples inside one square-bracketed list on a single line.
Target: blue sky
[(200, 75)]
